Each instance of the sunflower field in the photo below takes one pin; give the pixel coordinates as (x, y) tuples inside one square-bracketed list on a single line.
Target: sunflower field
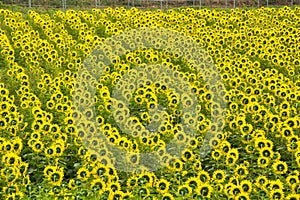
[(236, 114)]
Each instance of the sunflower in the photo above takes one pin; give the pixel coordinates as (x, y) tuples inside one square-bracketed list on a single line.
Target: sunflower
[(17, 145), (187, 155), (146, 178), (246, 129), (204, 190), (114, 187), (219, 176), (286, 132), (225, 146), (236, 189), (277, 194), (266, 152), (177, 165), (217, 154), (49, 170), (242, 196), (241, 171), (293, 146), (83, 174), (280, 167), (234, 153), (292, 180), (260, 143), (143, 192), (193, 182), (116, 195), (38, 146), (292, 197), (162, 186), (184, 190), (247, 186), (275, 185), (263, 162), (214, 142), (55, 178), (203, 177), (26, 181)]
